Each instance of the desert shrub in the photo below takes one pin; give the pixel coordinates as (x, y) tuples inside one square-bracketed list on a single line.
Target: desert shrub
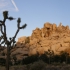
[(57, 58), (19, 62), (68, 60), (2, 61), (18, 67), (39, 65), (64, 56), (65, 68), (30, 59), (44, 58), (15, 59), (3, 54)]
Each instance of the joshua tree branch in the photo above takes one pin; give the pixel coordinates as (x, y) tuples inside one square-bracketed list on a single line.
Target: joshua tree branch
[(1, 30), (18, 25), (14, 35)]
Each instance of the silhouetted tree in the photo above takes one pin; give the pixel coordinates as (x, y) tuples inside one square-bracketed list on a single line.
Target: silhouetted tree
[(50, 54), (30, 59), (68, 60), (64, 56), (2, 61), (4, 39), (57, 58), (44, 58)]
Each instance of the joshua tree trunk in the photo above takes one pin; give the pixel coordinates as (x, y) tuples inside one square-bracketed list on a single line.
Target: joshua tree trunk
[(7, 58)]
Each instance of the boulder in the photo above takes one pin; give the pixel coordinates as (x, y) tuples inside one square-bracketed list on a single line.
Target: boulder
[(50, 36)]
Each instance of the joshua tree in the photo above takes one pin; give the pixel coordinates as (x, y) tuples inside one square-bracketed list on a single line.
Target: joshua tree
[(4, 39)]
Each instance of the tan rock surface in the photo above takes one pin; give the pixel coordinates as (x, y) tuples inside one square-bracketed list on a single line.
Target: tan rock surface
[(20, 51), (51, 36)]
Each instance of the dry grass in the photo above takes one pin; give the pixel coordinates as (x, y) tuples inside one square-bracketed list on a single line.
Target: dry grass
[(18, 67), (36, 67)]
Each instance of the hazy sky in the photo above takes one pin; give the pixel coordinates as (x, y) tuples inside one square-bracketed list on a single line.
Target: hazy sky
[(35, 13)]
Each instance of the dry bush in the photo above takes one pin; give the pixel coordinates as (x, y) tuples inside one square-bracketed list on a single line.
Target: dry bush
[(65, 68), (39, 65)]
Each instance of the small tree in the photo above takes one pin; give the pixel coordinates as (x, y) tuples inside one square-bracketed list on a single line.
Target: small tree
[(4, 39)]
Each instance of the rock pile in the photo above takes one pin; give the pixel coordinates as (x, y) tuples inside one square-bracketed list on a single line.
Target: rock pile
[(51, 36)]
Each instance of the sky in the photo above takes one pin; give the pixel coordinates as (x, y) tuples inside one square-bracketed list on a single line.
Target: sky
[(34, 13)]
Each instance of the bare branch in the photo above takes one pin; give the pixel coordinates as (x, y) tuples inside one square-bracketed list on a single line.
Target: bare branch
[(1, 21), (2, 42), (18, 22), (1, 37), (2, 30), (18, 25), (11, 18), (14, 35), (23, 26), (5, 14)]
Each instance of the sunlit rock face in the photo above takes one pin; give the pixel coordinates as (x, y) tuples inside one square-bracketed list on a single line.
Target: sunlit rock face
[(50, 36)]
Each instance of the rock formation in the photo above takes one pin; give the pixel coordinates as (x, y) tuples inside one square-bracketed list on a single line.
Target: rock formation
[(50, 37)]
